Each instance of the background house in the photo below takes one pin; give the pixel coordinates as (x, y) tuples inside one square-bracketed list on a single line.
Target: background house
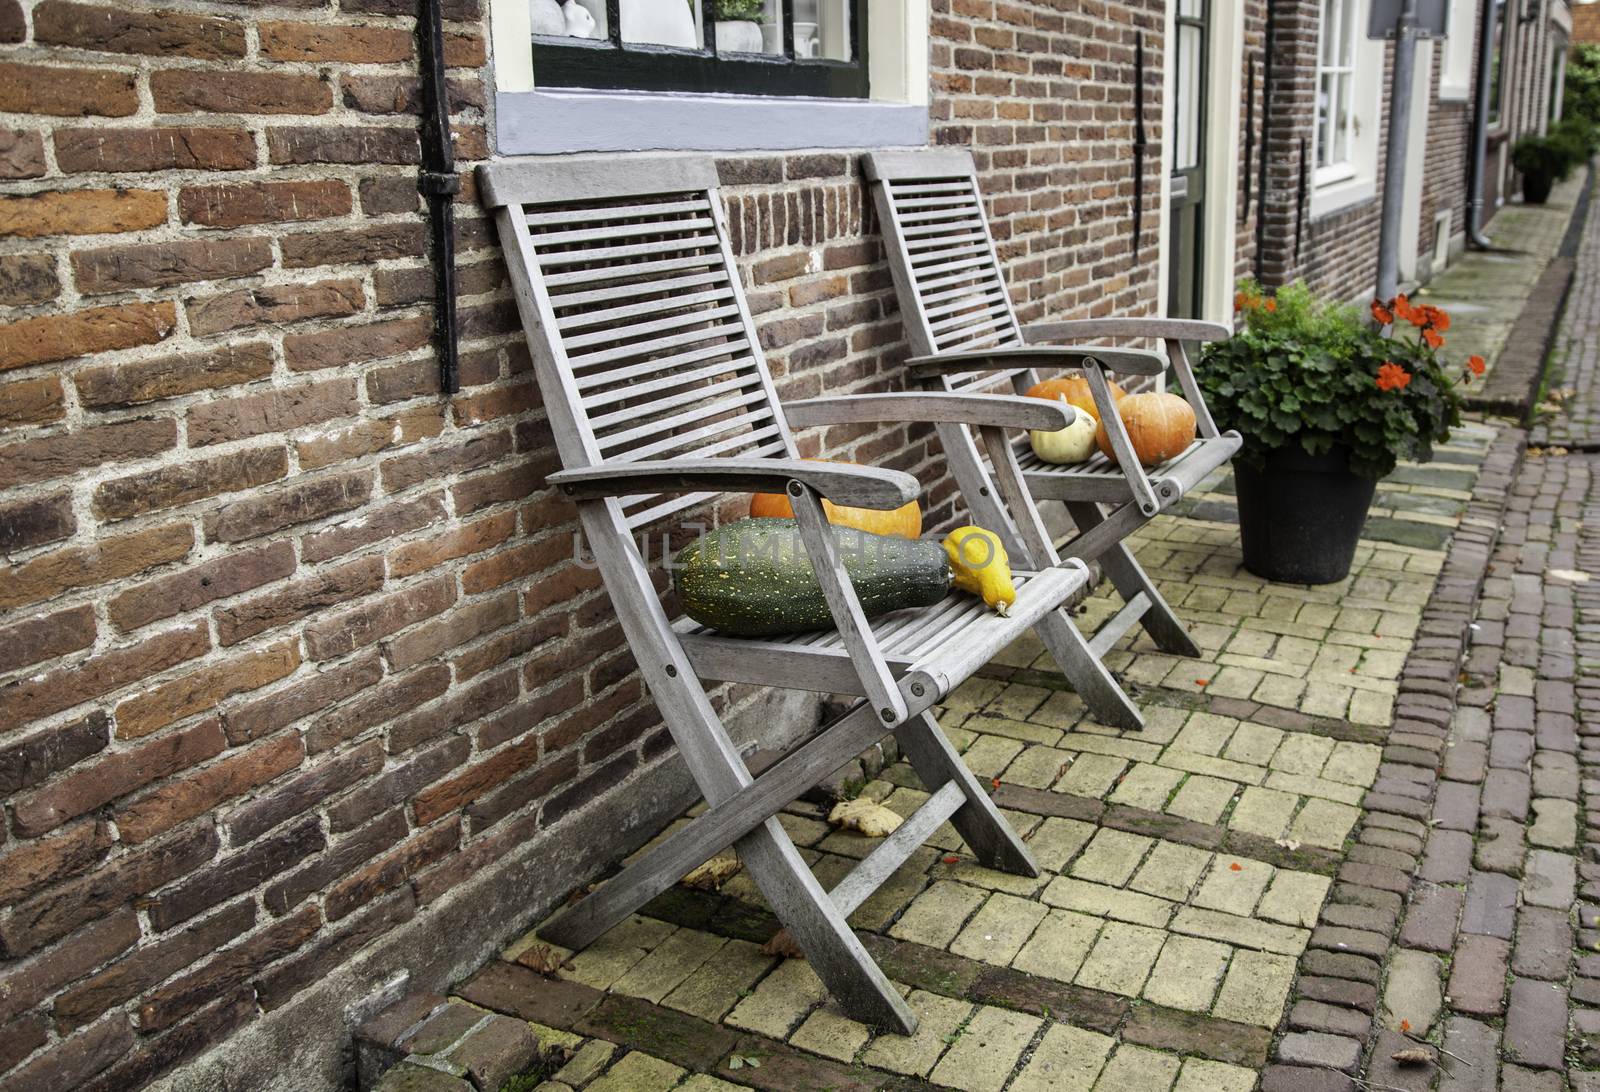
[(302, 695)]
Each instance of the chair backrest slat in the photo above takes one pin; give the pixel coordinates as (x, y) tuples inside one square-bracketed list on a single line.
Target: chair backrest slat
[(636, 314), (943, 256)]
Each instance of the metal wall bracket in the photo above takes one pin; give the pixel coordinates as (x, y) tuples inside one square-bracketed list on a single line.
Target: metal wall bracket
[(439, 185)]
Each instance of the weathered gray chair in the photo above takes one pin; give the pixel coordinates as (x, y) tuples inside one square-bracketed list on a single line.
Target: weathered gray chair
[(659, 398), (965, 337)]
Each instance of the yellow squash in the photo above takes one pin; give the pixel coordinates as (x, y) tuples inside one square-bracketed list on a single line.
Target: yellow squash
[(981, 566)]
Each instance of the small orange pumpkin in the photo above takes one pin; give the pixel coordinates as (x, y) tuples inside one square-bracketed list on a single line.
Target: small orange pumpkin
[(1074, 389), (1161, 427), (905, 521)]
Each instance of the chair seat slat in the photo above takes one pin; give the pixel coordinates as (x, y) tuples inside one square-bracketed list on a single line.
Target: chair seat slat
[(626, 230), (920, 186), (674, 421), (933, 242), (579, 320), (738, 355), (602, 273), (672, 401), (622, 336), (992, 297), (923, 217), (588, 215), (917, 231), (983, 279), (591, 255), (921, 262), (959, 200), (622, 391), (641, 348), (945, 268), (563, 300)]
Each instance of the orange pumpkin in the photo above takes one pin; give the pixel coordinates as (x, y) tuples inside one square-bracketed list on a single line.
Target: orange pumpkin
[(1075, 389), (1161, 427), (905, 521)]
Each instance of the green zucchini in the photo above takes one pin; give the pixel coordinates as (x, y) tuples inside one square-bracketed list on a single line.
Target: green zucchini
[(752, 577)]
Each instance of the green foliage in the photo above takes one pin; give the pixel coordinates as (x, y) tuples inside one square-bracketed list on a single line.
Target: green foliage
[(1581, 134), (740, 9), (1300, 372), (1551, 156), (1581, 98)]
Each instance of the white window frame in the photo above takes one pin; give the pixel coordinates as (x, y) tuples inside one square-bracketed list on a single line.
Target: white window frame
[(1455, 66), (534, 121), (1352, 179)]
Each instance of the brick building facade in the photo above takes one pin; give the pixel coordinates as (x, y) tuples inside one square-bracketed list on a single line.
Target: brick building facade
[(300, 689)]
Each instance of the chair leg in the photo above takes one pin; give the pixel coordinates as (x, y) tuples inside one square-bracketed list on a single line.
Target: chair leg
[(834, 952), (978, 821), (1092, 680), (1129, 578)]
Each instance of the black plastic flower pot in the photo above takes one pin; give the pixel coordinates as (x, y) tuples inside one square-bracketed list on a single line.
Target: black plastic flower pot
[(1536, 187), (1301, 515)]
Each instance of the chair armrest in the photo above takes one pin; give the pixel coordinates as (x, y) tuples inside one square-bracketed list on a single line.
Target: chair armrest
[(935, 407), (1053, 333), (855, 486), (1126, 361)]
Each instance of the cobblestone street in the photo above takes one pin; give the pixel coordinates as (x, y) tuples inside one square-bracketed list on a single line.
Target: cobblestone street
[(1357, 846)]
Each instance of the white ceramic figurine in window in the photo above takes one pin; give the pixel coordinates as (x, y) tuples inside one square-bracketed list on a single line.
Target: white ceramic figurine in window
[(569, 20)]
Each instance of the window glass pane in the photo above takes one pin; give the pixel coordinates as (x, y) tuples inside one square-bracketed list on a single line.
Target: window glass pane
[(749, 26), (1188, 88), (1330, 31), (822, 29), (660, 22)]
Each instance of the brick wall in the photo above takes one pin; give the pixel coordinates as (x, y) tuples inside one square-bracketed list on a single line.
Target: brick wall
[(1585, 22), (1336, 253), (292, 655)]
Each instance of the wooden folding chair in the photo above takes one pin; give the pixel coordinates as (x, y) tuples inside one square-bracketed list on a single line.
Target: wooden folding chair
[(659, 398), (965, 337)]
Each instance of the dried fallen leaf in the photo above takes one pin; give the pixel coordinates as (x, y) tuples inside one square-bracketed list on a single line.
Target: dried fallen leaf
[(541, 960), (1414, 1056), (782, 944), (1236, 867), (1202, 682), (952, 859), (714, 873), (873, 820)]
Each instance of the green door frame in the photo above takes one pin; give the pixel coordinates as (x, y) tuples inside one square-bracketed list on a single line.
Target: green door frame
[(1186, 216)]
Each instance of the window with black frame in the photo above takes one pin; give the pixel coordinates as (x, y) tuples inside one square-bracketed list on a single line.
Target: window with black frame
[(748, 47)]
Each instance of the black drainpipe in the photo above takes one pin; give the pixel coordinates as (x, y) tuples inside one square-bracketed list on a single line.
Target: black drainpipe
[(1266, 139), (1478, 164), (439, 184)]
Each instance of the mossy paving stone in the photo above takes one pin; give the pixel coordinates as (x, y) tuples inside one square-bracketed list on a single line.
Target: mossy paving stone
[(1063, 1003), (513, 989), (922, 967), (1398, 532), (1190, 1033), (1155, 824), (662, 1033), (719, 914), (1257, 847), (784, 1069), (1044, 802)]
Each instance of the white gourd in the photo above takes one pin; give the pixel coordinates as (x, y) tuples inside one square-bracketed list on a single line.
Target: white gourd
[(1073, 444)]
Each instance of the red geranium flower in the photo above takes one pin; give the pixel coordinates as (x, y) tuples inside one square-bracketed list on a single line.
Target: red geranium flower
[(1439, 318), (1392, 377), (1271, 306), (1381, 314), (1431, 336), (1476, 363)]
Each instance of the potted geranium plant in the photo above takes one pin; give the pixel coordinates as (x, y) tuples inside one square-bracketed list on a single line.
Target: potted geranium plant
[(1327, 403)]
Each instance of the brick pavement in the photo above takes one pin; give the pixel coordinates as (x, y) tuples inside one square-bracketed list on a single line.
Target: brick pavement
[(1357, 826)]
